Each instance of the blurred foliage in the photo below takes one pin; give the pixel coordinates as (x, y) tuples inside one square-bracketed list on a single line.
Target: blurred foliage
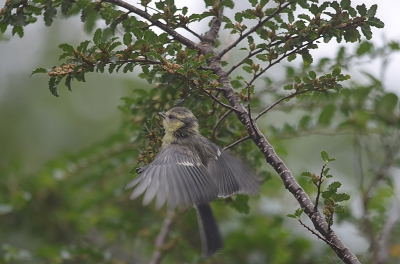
[(75, 208)]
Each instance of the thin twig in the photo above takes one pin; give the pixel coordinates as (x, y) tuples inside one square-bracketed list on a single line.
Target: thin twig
[(191, 31), (280, 100), (321, 175), (160, 240), (253, 29), (285, 55), (249, 108), (317, 235), (217, 100), (251, 54), (219, 122), (237, 142)]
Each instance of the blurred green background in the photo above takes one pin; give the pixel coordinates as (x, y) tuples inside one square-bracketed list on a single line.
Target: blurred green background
[(62, 182)]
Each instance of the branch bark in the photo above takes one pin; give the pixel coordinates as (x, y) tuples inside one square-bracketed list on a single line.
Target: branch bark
[(160, 240), (269, 153), (206, 47)]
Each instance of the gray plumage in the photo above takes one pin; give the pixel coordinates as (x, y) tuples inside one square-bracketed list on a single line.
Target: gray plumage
[(191, 171)]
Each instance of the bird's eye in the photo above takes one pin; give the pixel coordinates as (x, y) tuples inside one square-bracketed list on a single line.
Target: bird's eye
[(171, 116)]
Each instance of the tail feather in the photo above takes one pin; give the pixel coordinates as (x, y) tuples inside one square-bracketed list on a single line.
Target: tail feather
[(210, 236)]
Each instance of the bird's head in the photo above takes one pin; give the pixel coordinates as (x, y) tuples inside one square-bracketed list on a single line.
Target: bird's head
[(180, 121)]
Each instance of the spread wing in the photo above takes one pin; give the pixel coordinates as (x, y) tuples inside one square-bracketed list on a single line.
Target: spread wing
[(176, 177), (231, 175)]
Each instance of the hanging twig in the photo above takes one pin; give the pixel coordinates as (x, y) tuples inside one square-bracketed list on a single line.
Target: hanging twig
[(160, 240)]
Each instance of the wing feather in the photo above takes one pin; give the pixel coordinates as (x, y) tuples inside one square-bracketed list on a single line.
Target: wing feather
[(175, 178), (231, 175)]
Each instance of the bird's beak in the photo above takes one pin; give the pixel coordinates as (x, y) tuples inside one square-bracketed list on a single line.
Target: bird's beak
[(163, 114)]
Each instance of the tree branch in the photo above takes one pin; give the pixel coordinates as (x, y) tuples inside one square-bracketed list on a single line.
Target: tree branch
[(273, 159), (133, 9), (211, 36), (219, 122), (160, 240), (315, 233), (237, 142)]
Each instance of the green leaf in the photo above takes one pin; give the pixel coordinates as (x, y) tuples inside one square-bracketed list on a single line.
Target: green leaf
[(345, 4), (240, 203), (49, 13), (372, 11), (239, 17), (312, 74), (67, 48), (375, 22), (351, 35), (366, 30), (39, 70), (127, 38), (326, 115), (306, 174), (326, 170), (340, 197), (291, 216), (68, 82), (303, 3), (364, 47), (336, 72), (53, 86), (288, 87), (334, 186), (248, 69), (307, 58), (314, 9), (388, 103), (18, 30), (298, 212), (305, 122), (291, 57), (253, 2), (263, 2), (97, 36), (83, 46), (362, 9), (324, 156)]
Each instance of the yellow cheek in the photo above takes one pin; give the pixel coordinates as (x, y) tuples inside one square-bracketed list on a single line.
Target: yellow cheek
[(172, 126)]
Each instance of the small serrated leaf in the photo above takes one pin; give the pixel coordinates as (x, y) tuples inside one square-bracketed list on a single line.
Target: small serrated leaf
[(39, 70), (345, 4), (362, 9), (53, 86), (376, 22), (291, 57), (299, 212), (306, 174), (324, 156), (127, 38), (68, 82), (67, 48), (97, 36), (307, 58), (372, 11), (18, 30)]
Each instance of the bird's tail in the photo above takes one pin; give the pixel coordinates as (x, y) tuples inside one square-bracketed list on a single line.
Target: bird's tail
[(210, 236)]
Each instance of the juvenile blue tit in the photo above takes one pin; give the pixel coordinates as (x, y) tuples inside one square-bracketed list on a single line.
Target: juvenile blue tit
[(191, 171)]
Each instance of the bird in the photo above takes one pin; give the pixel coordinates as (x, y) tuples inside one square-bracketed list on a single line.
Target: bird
[(191, 171)]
